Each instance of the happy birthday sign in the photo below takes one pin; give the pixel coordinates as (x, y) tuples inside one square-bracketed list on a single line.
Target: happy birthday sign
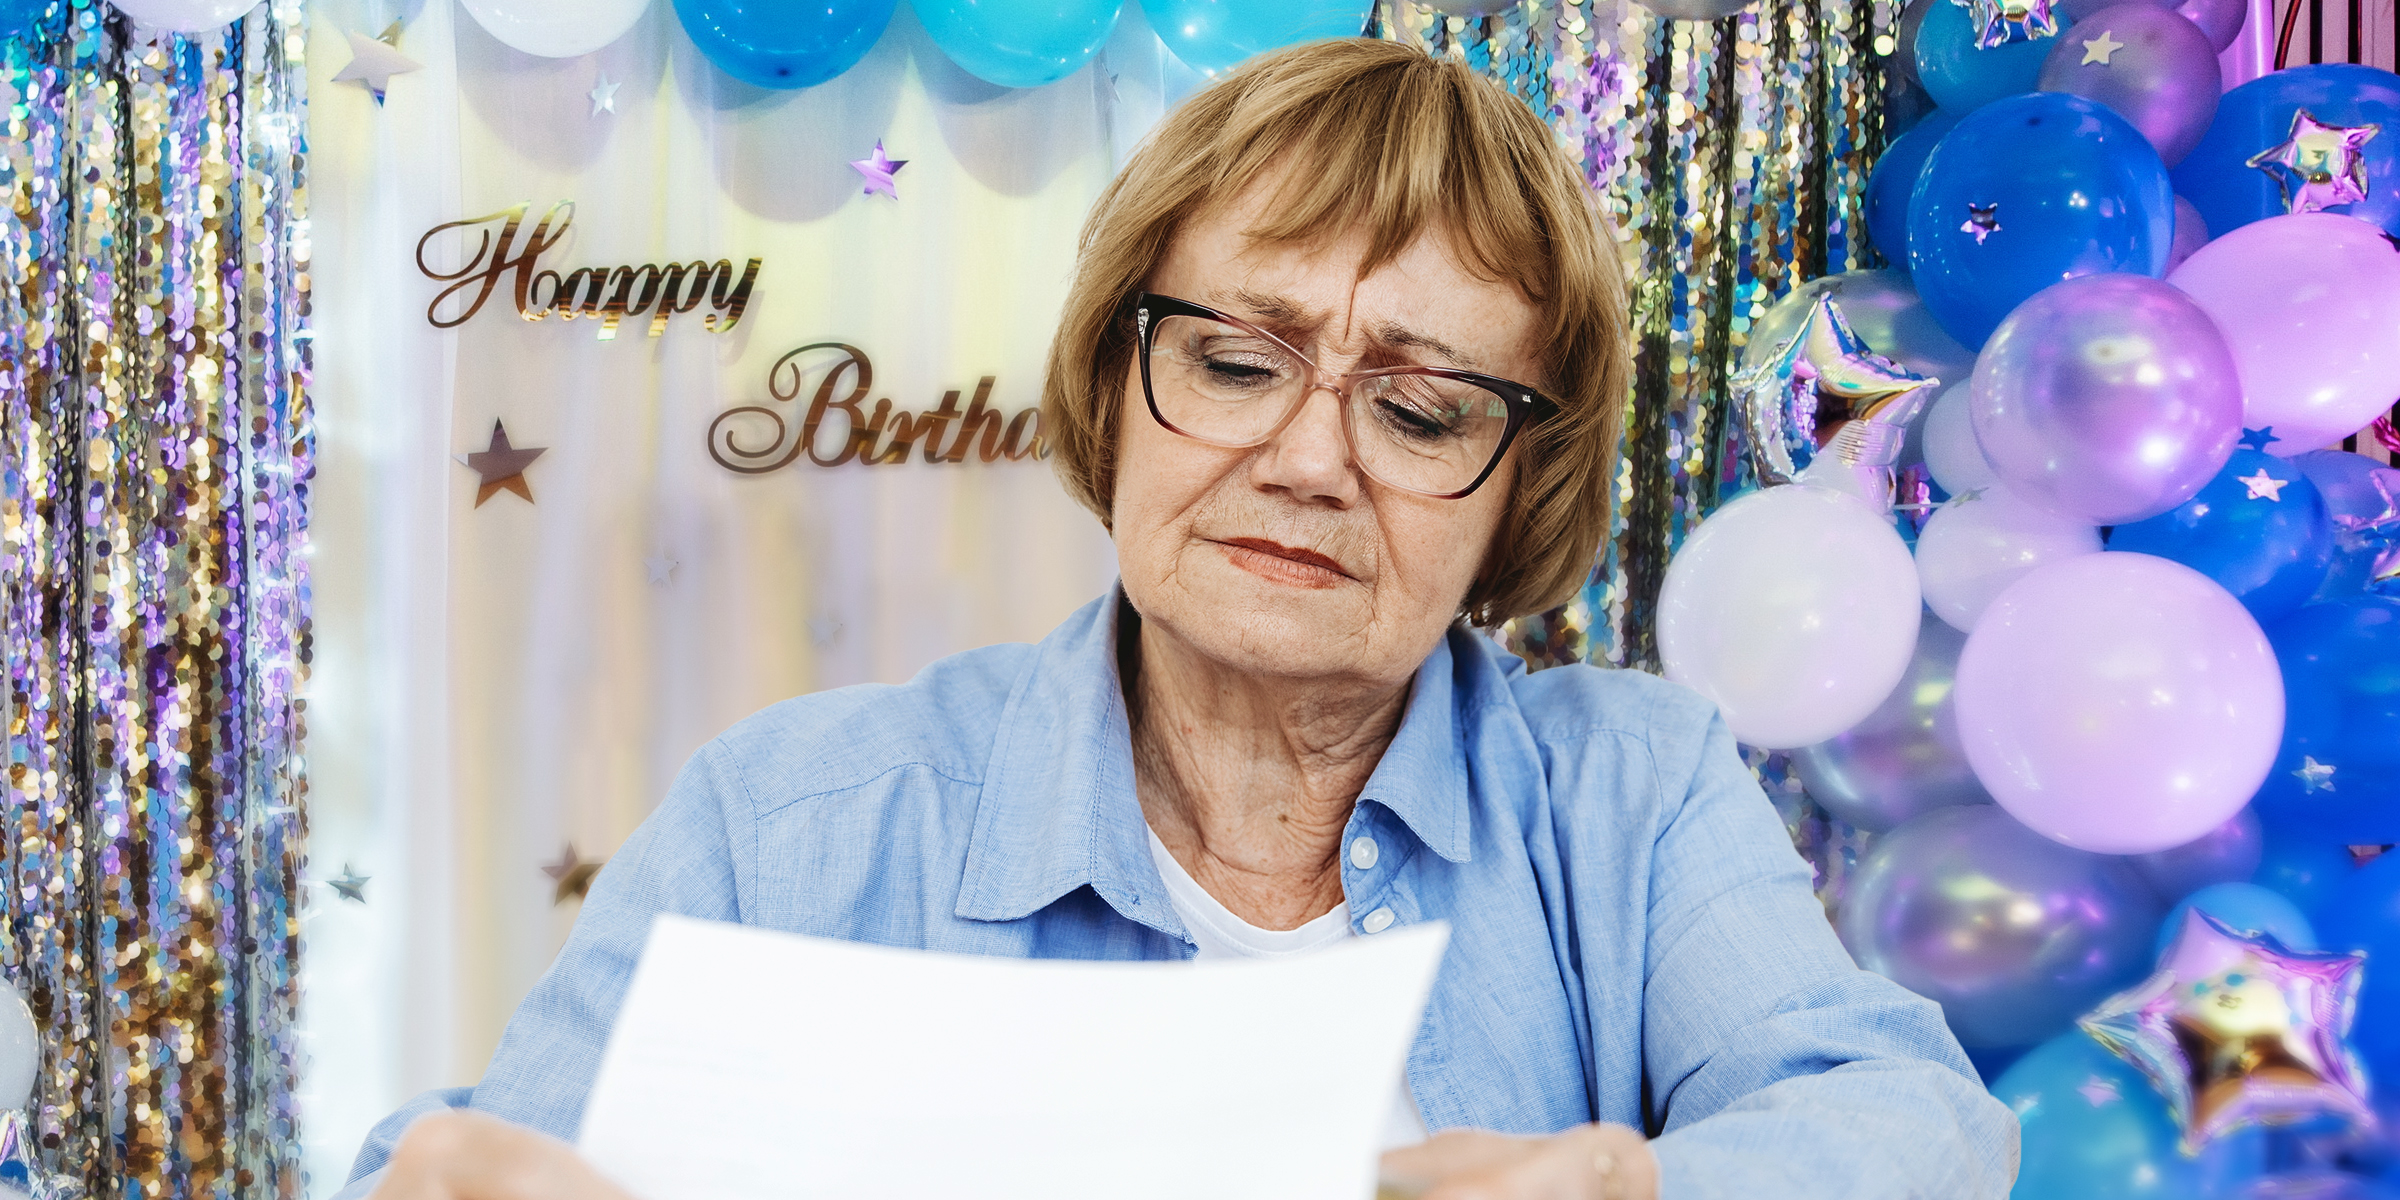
[(606, 294), (883, 437)]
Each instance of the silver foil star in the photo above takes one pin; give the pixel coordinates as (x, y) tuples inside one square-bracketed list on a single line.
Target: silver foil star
[(2319, 165), (2314, 776), (1826, 394), (2000, 22)]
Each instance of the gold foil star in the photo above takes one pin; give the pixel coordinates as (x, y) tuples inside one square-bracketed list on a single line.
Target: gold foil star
[(502, 466), (2319, 165), (2263, 486), (2098, 50)]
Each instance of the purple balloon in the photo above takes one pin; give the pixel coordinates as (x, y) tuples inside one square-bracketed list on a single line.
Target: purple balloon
[(1905, 758), (2230, 853), (2109, 398), (2191, 233), (2119, 703), (2015, 936), (2220, 20), (2151, 66)]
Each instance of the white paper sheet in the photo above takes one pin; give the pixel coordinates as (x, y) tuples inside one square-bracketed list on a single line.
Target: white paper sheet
[(750, 1065)]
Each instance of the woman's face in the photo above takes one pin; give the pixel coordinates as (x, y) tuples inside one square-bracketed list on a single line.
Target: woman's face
[(1284, 559)]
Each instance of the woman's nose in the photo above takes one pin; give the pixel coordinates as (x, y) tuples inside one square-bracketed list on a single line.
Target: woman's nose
[(1310, 457)]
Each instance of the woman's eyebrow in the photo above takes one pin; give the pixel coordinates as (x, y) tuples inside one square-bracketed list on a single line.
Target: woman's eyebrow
[(1392, 333)]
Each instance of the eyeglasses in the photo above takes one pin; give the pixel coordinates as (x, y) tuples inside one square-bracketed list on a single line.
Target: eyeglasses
[(1221, 380)]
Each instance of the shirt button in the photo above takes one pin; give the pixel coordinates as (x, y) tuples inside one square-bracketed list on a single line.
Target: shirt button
[(1377, 921), (1363, 854)]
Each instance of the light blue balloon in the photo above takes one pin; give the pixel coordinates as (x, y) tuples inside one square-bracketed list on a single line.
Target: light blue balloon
[(1213, 35), (1894, 182), (1962, 77), (2095, 1129), (2246, 908), (2257, 116), (784, 43), (1019, 43)]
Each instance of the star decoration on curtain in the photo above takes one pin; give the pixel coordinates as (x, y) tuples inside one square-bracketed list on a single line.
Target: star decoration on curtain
[(2101, 49), (1826, 395), (1983, 220), (2263, 486), (501, 466), (603, 96), (2314, 776), (374, 60), (572, 875), (2238, 1029), (822, 628), (2000, 22), (660, 568), (349, 885), (879, 170), (2257, 439), (2319, 165)]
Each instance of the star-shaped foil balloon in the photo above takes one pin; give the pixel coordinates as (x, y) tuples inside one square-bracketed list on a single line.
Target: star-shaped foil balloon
[(2319, 165), (2238, 1029), (2383, 575), (879, 170), (2000, 22), (1825, 395)]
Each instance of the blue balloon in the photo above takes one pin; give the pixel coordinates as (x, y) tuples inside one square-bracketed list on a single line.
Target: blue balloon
[(1894, 182), (2347, 481), (2027, 192), (1213, 35), (782, 44), (1019, 43), (2270, 553), (1962, 77), (2095, 1128), (2257, 116), (2303, 869), (2365, 915), (2337, 777), (2247, 908)]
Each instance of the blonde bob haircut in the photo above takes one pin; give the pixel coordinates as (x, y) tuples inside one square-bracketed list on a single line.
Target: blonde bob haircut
[(1398, 143)]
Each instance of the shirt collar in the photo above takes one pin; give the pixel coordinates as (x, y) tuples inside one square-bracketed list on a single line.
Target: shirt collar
[(1058, 811)]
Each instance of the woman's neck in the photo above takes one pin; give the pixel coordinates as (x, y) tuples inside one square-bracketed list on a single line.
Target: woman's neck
[(1249, 780)]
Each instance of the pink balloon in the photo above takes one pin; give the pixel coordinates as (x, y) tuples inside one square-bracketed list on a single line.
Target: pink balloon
[(2119, 703)]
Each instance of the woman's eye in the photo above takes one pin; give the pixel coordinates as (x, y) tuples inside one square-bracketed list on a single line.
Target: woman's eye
[(1411, 421)]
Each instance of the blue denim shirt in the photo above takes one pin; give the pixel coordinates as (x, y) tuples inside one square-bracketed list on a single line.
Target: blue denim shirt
[(1633, 938)]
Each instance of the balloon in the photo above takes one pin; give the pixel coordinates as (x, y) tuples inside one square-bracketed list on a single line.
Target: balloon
[(1963, 77), (1213, 35), (2307, 304), (2026, 192), (1904, 758), (2013, 935), (2119, 703), (776, 44), (2108, 398), (20, 1049), (1823, 408), (556, 28), (2259, 529), (2364, 914), (2191, 233), (2230, 853), (2347, 483), (2257, 117), (2149, 66), (1794, 609), (1951, 452), (2305, 870), (1885, 313), (1894, 181), (1695, 10), (2337, 776), (185, 16), (2220, 20), (1903, 61), (2245, 908), (1022, 44), (1973, 549), (2094, 1129)]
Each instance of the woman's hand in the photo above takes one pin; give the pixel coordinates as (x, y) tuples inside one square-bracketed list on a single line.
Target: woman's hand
[(1588, 1162), (469, 1156)]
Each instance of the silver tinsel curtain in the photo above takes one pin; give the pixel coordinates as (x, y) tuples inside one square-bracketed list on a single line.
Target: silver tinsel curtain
[(1733, 156), (155, 443)]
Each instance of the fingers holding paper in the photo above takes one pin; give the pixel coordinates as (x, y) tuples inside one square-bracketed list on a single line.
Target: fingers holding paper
[(468, 1156), (1589, 1162)]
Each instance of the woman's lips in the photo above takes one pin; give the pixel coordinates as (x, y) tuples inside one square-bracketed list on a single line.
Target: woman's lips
[(1283, 564)]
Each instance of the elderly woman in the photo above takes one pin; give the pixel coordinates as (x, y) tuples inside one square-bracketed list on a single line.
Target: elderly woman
[(1341, 372)]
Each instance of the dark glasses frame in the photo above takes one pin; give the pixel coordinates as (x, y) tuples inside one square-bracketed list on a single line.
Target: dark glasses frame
[(1524, 403)]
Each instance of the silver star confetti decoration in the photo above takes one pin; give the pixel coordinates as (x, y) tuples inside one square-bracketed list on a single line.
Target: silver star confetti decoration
[(2100, 49), (373, 62), (2001, 22), (2314, 776), (1825, 394), (349, 885), (660, 568), (603, 96), (2263, 486), (822, 628), (879, 170), (2319, 165), (501, 467), (1983, 220)]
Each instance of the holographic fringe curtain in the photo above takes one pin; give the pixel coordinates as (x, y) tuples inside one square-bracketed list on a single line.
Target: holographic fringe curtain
[(155, 428), (1733, 157)]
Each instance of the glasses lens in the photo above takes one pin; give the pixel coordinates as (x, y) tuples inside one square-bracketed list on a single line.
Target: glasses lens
[(1219, 382), (1424, 432)]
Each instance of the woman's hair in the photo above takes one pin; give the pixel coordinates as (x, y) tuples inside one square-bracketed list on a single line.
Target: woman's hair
[(1389, 141)]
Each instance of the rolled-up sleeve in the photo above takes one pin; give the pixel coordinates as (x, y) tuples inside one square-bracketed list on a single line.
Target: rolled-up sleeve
[(1774, 1066)]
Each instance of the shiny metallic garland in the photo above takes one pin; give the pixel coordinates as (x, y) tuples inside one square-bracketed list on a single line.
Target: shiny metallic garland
[(1733, 156), (156, 443)]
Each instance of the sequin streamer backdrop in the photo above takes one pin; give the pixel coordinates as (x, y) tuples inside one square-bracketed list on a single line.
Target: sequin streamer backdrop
[(1733, 157), (155, 428)]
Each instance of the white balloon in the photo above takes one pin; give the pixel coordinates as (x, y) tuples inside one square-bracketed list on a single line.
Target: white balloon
[(1951, 452), (556, 28), (1795, 609), (20, 1049), (1970, 552), (185, 16)]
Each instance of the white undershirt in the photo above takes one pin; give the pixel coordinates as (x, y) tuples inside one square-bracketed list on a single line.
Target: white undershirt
[(1220, 934)]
